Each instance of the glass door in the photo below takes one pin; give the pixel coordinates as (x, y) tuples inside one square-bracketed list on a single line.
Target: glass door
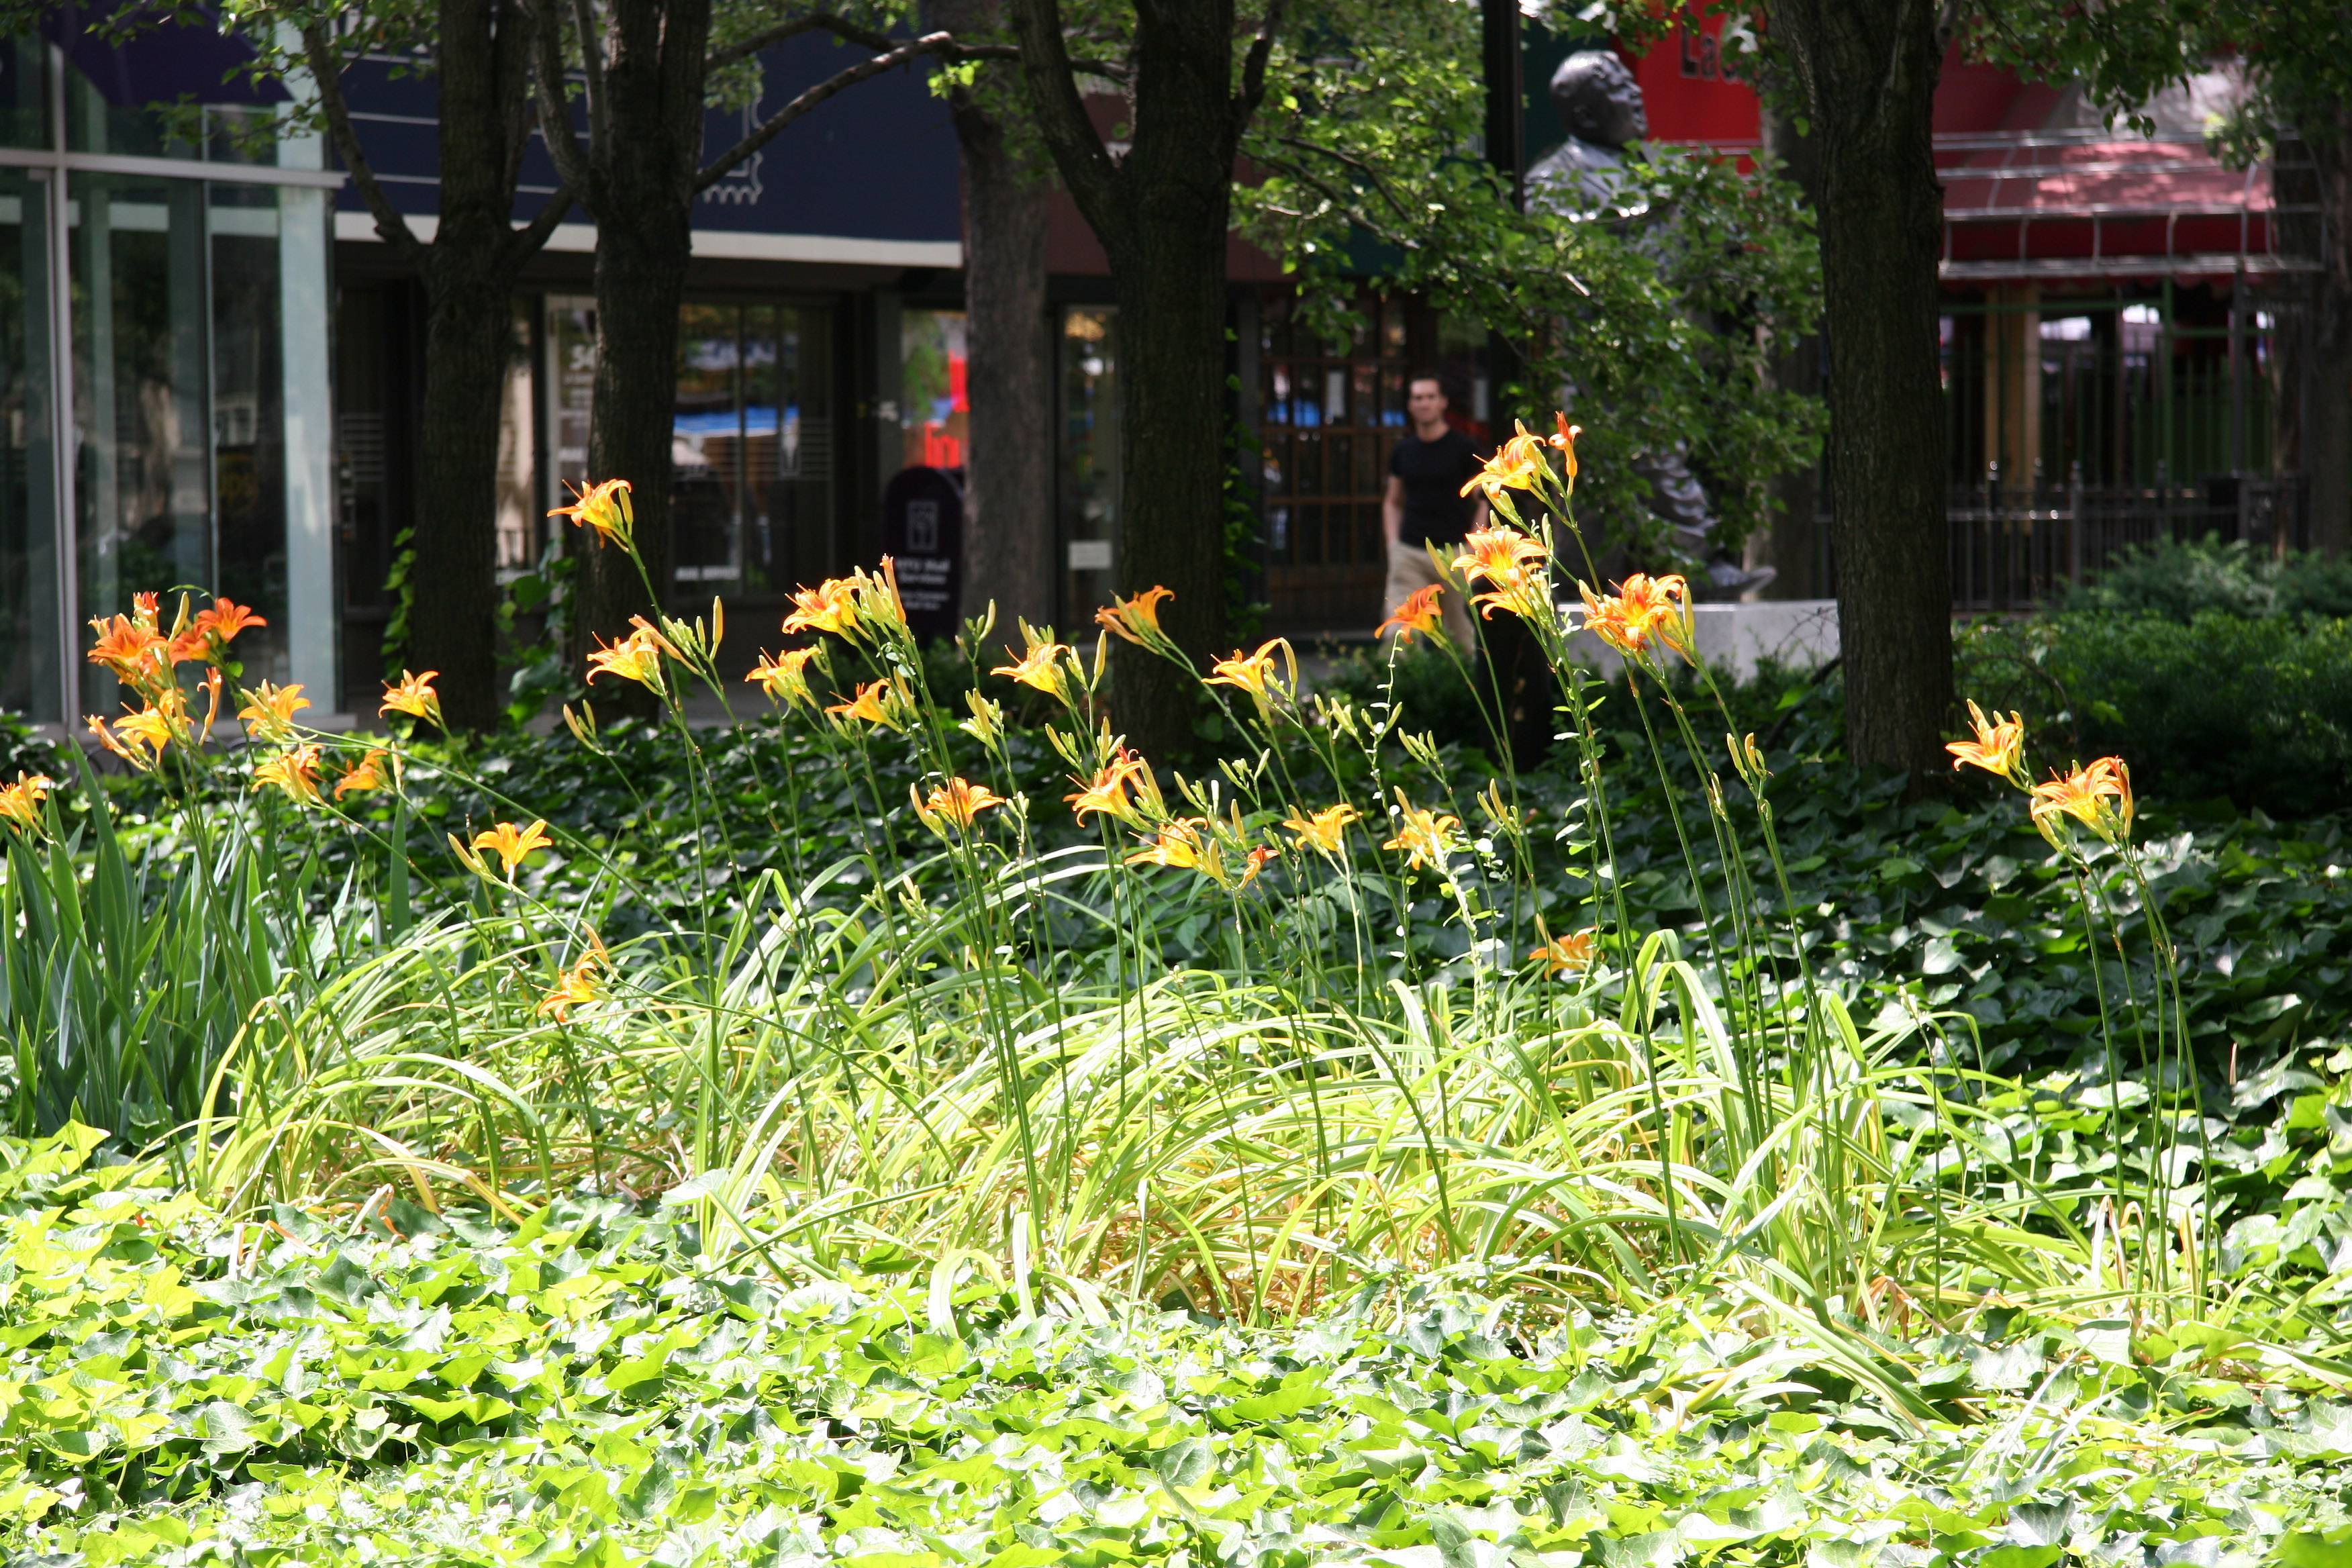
[(32, 646), (179, 407), (752, 439)]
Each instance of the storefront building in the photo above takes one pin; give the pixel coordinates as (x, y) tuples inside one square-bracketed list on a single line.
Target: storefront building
[(164, 375)]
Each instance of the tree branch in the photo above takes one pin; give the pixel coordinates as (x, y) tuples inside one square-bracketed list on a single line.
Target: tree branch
[(554, 118), (591, 64), (1061, 113), (1253, 90), (744, 49), (525, 241), (1340, 201), (929, 44), (1370, 175), (327, 75)]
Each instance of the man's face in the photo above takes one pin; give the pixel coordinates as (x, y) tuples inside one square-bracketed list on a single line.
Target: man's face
[(1425, 403)]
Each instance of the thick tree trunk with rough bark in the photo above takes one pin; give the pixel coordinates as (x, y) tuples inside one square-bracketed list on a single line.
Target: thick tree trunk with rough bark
[(1162, 211), (639, 181), (1009, 476), (453, 617), (640, 280), (1869, 69), (1170, 290), (482, 60)]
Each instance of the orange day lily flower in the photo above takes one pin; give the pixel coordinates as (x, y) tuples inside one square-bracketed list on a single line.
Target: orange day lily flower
[(877, 702), (224, 619), (784, 676), (606, 509), (1253, 673), (1517, 465), (577, 985), (296, 771), (152, 727), (1569, 954), (1325, 830), (1418, 616), (1039, 666), (269, 712), (1136, 619), (20, 803), (1999, 747), (510, 844), (363, 777), (1108, 792), (1564, 443), (1505, 560), (1426, 836), (2097, 794), (955, 804), (132, 742), (1185, 845), (637, 656), (132, 650), (830, 606), (412, 695), (1645, 612)]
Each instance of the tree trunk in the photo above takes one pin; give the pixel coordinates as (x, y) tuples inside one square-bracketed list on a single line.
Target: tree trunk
[(640, 281), (1161, 212), (1869, 68), (453, 618), (482, 55), (641, 191), (1170, 291), (1009, 473)]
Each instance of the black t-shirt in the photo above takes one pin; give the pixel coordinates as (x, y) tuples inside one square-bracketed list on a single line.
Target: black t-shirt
[(1435, 510)]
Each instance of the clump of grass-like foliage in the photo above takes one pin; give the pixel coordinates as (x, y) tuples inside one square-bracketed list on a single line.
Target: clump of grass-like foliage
[(1247, 1041)]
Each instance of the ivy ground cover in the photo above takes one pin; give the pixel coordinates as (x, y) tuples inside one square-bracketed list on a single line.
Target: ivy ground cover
[(582, 1390)]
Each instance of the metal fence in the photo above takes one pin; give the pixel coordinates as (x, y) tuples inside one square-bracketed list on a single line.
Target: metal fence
[(2012, 547)]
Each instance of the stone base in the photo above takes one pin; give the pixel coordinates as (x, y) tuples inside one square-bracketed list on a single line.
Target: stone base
[(1732, 638)]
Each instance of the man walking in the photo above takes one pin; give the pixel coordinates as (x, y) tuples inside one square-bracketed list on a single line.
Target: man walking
[(1425, 508)]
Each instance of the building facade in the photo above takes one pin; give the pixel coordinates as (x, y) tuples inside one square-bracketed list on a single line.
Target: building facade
[(164, 374), (210, 363)]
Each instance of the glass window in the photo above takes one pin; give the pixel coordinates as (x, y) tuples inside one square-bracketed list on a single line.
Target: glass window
[(248, 417), (522, 520), (934, 413), (707, 443), (751, 439), (1089, 453), (787, 446), (143, 99), (571, 393), (31, 639), (24, 93), (179, 410)]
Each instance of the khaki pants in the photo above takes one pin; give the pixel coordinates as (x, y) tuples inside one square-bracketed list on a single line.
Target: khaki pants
[(1411, 569)]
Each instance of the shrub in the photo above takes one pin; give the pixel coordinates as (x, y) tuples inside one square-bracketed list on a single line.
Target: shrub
[(2181, 580), (2258, 709)]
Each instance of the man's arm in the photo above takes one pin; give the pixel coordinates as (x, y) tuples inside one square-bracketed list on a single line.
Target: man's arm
[(1392, 510)]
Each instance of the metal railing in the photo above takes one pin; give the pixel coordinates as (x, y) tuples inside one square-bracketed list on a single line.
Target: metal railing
[(2013, 546)]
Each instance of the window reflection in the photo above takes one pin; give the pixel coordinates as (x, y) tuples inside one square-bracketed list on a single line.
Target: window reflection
[(29, 622), (751, 437)]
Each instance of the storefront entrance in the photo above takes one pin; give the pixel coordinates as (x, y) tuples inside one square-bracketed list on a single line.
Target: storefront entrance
[(164, 384)]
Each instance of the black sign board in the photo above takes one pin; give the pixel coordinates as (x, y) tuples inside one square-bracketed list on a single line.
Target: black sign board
[(922, 531)]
